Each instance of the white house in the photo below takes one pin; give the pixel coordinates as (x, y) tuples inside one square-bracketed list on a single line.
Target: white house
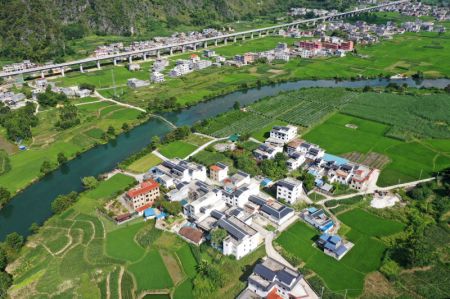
[(239, 197), (289, 189), (283, 134), (295, 161), (134, 67), (181, 170), (272, 210), (266, 151), (272, 279), (242, 239), (157, 77), (201, 208), (218, 172), (136, 83)]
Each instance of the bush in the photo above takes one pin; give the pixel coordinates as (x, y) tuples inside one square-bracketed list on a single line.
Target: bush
[(62, 202)]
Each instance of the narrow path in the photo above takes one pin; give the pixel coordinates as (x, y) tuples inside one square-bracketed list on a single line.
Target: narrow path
[(255, 140), (119, 281), (372, 190), (91, 102), (108, 290), (200, 148), (159, 155)]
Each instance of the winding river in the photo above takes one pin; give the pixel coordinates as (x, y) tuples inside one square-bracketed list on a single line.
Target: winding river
[(33, 204)]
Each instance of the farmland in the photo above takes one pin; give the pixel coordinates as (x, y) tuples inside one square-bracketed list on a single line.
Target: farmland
[(304, 107), (83, 249), (177, 149), (363, 258), (408, 116), (408, 160)]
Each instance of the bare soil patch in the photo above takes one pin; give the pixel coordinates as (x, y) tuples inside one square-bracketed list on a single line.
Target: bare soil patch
[(377, 286)]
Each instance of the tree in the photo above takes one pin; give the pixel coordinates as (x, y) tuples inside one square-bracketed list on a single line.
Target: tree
[(3, 260), (367, 88), (5, 283), (125, 126), (61, 158), (111, 130), (68, 117), (91, 87), (171, 207), (309, 181), (217, 236), (46, 167), (62, 202), (34, 228), (156, 141), (236, 105), (447, 88), (90, 182), (390, 269), (14, 241), (5, 196)]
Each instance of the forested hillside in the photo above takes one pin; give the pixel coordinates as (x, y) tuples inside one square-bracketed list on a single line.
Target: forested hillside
[(38, 29)]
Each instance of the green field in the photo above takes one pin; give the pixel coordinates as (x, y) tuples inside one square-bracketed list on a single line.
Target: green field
[(145, 163), (48, 141), (151, 273), (120, 244), (407, 159), (176, 149), (363, 258)]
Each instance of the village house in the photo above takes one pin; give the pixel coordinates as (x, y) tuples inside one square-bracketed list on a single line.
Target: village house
[(334, 245), (242, 239), (136, 83), (157, 77), (265, 151), (143, 195), (283, 134), (134, 67), (295, 161), (272, 210), (218, 172), (318, 219), (179, 170), (289, 189), (361, 177), (207, 200), (201, 64), (272, 279), (239, 197)]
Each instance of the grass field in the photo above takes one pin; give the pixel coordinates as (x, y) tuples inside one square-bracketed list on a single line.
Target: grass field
[(151, 273), (363, 258), (408, 160), (144, 164), (176, 149), (48, 141)]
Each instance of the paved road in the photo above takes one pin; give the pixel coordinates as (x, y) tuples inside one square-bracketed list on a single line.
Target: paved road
[(199, 149), (372, 189)]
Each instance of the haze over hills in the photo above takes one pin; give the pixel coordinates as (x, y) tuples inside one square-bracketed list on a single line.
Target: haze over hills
[(37, 29)]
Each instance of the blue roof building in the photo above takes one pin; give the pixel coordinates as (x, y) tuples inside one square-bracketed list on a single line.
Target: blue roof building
[(333, 245), (318, 219), (149, 213)]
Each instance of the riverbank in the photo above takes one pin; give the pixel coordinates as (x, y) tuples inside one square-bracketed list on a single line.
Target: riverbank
[(103, 158), (408, 54)]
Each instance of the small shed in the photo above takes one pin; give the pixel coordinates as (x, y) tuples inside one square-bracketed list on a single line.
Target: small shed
[(149, 213)]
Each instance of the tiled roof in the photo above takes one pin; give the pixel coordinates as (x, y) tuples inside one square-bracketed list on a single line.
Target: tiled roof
[(143, 188), (193, 234)]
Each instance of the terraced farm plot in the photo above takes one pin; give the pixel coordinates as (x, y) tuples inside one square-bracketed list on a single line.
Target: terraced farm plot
[(151, 273), (145, 163), (120, 244)]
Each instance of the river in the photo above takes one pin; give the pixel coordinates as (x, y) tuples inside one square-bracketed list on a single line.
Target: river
[(33, 203)]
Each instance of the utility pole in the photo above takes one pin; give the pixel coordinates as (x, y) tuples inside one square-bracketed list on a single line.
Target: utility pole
[(345, 296), (321, 293), (114, 82), (420, 176)]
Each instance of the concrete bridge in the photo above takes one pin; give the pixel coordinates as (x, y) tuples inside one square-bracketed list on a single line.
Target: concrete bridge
[(170, 49)]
